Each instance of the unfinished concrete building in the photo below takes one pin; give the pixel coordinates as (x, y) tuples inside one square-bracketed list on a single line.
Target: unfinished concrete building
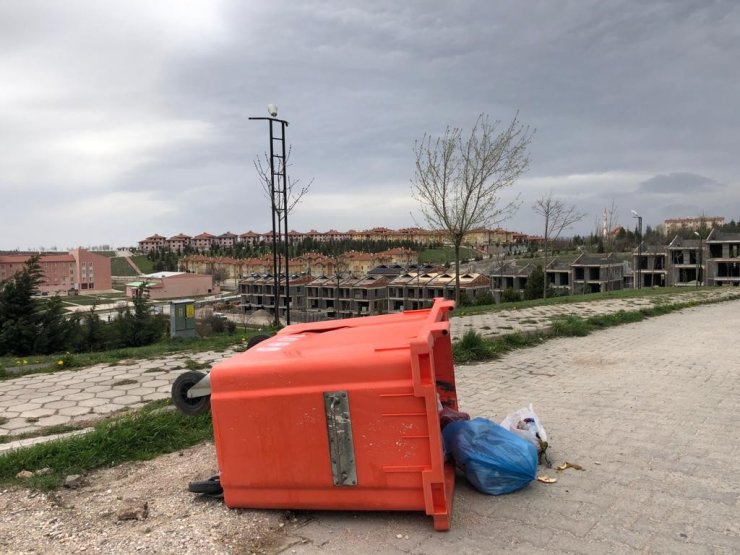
[(685, 262), (597, 273), (412, 291), (258, 292), (722, 258), (558, 275), (650, 263), (511, 276)]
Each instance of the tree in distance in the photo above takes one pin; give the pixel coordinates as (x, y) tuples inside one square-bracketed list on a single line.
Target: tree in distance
[(558, 217), (458, 182)]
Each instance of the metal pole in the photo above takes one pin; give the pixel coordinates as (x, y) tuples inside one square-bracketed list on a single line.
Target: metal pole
[(701, 257), (276, 214), (275, 276), (639, 254), (285, 219)]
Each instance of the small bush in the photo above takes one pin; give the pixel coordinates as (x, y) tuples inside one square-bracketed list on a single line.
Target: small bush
[(473, 346), (570, 326), (510, 296), (485, 299)]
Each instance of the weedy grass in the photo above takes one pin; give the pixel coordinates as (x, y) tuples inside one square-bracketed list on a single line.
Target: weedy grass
[(473, 347), (140, 436)]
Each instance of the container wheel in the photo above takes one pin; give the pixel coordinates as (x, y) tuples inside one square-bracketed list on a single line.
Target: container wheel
[(256, 339), (192, 406), (212, 486)]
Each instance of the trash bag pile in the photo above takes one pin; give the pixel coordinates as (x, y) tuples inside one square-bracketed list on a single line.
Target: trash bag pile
[(496, 459)]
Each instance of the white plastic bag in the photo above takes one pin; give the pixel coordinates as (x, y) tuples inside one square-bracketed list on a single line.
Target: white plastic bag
[(526, 424)]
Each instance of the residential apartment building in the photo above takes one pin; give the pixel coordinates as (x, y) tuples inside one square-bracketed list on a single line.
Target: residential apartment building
[(78, 270), (482, 239), (152, 243), (673, 225)]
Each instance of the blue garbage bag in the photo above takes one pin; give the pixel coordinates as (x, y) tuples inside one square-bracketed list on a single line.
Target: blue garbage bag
[(493, 459)]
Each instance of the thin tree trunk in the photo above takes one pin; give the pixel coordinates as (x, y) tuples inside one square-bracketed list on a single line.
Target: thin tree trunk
[(457, 274)]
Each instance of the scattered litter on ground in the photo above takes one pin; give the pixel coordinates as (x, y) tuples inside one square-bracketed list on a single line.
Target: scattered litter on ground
[(567, 464), (546, 479)]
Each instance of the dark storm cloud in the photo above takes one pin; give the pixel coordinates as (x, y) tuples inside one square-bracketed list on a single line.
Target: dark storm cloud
[(147, 104), (681, 182)]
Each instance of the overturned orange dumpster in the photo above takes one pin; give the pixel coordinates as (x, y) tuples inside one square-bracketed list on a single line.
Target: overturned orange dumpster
[(339, 415)]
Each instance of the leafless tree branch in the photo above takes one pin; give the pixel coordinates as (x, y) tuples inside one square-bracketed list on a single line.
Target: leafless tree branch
[(296, 190), (558, 217), (458, 181)]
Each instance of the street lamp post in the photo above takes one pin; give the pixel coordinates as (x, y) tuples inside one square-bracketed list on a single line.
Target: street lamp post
[(639, 248), (279, 206), (698, 258)]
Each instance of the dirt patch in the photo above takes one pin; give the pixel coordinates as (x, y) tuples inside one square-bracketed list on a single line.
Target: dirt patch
[(177, 521)]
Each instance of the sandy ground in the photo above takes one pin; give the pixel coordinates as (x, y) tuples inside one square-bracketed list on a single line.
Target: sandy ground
[(86, 519)]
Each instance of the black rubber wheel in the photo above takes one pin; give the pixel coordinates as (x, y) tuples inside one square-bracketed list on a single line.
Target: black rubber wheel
[(191, 406), (212, 486), (256, 339)]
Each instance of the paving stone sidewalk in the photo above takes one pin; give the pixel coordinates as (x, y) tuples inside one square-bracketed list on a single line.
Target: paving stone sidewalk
[(650, 410), (32, 403)]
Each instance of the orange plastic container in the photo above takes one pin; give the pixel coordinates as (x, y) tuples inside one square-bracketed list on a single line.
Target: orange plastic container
[(339, 415)]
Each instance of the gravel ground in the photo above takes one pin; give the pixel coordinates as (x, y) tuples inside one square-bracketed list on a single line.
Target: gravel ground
[(86, 519)]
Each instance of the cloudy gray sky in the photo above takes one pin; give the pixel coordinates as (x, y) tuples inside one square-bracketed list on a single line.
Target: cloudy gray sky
[(123, 119)]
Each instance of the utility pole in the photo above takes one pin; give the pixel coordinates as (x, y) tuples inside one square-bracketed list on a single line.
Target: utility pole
[(279, 205)]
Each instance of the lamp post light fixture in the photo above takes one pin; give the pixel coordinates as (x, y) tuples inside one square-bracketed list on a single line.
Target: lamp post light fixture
[(698, 258), (639, 248), (279, 206)]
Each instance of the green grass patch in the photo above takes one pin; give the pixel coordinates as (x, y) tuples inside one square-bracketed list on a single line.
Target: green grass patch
[(190, 364), (471, 348), (153, 370), (444, 255), (3, 420), (143, 263), (134, 437), (119, 267), (126, 381), (13, 367), (657, 296), (474, 348), (89, 300)]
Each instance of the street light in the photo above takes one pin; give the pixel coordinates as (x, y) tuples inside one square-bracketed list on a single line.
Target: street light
[(279, 205), (698, 254), (639, 248)]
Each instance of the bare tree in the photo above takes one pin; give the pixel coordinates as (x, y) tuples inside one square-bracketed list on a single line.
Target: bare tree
[(458, 182), (296, 191), (558, 217)]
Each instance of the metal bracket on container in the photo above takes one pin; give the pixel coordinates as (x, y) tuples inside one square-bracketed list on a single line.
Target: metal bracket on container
[(341, 445)]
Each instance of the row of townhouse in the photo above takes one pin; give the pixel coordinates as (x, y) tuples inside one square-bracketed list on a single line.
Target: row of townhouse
[(310, 263), (713, 261), (481, 238), (78, 270), (383, 289)]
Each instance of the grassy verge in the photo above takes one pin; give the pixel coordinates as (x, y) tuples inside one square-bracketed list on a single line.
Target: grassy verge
[(119, 267), (444, 255), (473, 347), (13, 367), (656, 294), (143, 263), (140, 436)]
